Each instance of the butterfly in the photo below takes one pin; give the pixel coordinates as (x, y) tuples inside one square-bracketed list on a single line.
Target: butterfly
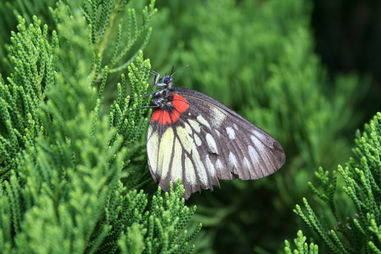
[(198, 140)]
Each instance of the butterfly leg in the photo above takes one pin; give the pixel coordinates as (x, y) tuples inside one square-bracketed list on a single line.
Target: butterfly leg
[(156, 76)]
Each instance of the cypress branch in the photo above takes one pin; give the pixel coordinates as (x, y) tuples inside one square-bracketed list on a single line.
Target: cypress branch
[(31, 52), (360, 233), (72, 166), (301, 246)]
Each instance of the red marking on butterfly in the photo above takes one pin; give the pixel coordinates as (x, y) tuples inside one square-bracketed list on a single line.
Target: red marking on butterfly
[(164, 117)]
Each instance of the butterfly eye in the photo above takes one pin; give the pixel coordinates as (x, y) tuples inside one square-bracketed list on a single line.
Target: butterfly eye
[(167, 79)]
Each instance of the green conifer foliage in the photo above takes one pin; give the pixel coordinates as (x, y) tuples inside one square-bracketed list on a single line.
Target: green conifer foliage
[(70, 165), (301, 246), (359, 230), (32, 54)]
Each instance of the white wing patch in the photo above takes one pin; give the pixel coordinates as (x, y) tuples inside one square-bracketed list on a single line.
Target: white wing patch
[(202, 120), (189, 172), (210, 166), (200, 169), (152, 151), (211, 143), (165, 149), (256, 141), (233, 163), (176, 172), (246, 163), (218, 117), (254, 157), (188, 129), (231, 133), (194, 125), (219, 164), (259, 135), (197, 139), (185, 139)]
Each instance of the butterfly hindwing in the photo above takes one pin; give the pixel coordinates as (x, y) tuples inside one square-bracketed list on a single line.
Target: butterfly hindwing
[(173, 154), (208, 142)]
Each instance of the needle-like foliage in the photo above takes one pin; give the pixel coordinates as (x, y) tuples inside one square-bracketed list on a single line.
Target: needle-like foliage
[(69, 165), (359, 231), (301, 247)]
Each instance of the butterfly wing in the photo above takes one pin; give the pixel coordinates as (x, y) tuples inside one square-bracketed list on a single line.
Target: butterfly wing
[(205, 141)]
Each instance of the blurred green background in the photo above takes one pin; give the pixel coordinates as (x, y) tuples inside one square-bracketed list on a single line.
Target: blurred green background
[(305, 71)]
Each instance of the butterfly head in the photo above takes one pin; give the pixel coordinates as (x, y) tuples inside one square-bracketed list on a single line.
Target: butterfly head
[(167, 80)]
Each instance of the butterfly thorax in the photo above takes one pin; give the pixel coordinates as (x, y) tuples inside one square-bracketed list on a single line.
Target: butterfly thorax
[(161, 99), (168, 105)]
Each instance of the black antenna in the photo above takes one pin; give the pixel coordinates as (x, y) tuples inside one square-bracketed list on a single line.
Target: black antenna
[(172, 70)]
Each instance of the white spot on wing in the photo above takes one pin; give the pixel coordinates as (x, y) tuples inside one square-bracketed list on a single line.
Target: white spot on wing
[(200, 169), (254, 157), (194, 125), (264, 153), (185, 139), (202, 120), (218, 133), (258, 144), (233, 160), (253, 154), (188, 128), (189, 171), (211, 143), (219, 168), (197, 139), (210, 166), (152, 150), (165, 149), (231, 133), (219, 164), (255, 140), (235, 126), (176, 168), (247, 167), (218, 116), (246, 163), (263, 138)]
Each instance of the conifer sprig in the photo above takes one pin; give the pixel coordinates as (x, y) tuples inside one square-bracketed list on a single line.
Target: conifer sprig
[(115, 29), (32, 55), (360, 232), (127, 113), (301, 246)]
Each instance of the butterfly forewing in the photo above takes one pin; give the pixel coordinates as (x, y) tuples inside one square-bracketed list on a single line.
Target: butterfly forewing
[(205, 141)]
